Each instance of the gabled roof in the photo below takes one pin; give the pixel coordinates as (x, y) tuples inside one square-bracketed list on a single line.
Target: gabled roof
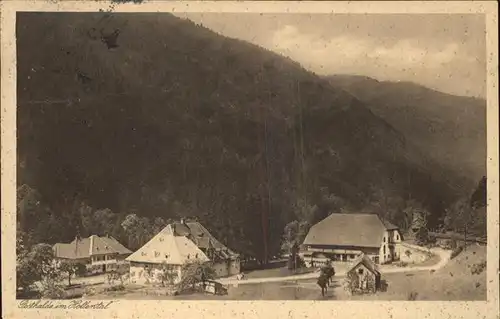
[(388, 225), (180, 242), (81, 248), (359, 230), (366, 261), (167, 248), (203, 239)]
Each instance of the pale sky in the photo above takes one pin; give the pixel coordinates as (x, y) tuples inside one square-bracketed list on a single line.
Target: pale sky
[(443, 52)]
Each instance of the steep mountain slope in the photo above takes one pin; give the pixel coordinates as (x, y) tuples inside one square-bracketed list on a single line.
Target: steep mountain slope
[(166, 118), (450, 129)]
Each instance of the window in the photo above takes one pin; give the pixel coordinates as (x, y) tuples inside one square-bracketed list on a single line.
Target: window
[(397, 237), (384, 239), (351, 256), (384, 249), (360, 271)]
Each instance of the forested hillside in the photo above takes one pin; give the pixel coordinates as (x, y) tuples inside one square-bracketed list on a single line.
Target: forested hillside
[(127, 121), (450, 129)]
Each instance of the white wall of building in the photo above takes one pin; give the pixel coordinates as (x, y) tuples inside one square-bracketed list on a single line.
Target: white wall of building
[(141, 273), (391, 239), (225, 269)]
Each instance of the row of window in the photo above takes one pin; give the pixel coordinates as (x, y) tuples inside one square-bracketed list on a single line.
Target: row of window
[(102, 258), (397, 237)]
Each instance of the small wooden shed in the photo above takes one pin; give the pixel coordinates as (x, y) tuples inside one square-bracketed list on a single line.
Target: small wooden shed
[(363, 275)]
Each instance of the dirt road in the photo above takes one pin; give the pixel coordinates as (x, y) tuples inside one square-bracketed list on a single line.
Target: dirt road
[(444, 257)]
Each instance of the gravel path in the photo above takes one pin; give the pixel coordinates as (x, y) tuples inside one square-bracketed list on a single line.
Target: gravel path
[(444, 257)]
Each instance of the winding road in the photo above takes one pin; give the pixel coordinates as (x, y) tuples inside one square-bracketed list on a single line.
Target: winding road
[(444, 257)]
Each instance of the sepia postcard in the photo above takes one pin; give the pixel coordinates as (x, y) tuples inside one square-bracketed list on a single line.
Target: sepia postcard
[(254, 159)]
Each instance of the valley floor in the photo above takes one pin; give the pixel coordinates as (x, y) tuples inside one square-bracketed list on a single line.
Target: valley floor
[(449, 280)]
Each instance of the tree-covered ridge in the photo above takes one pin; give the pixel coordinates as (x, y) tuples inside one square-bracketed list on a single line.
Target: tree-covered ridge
[(175, 121), (449, 129)]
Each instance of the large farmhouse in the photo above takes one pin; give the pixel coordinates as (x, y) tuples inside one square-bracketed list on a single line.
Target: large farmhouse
[(98, 254), (343, 237), (176, 245)]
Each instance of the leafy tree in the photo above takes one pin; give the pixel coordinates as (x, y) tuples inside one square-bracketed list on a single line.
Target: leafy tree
[(131, 225), (479, 197), (305, 211), (26, 271), (36, 265), (294, 260), (158, 225), (413, 215), (459, 217), (72, 269), (104, 221), (419, 220), (463, 218), (68, 269), (422, 235), (28, 206), (385, 202), (195, 272), (351, 283), (86, 215), (167, 275), (294, 234), (120, 274)]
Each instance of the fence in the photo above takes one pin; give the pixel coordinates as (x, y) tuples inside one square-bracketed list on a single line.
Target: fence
[(458, 237)]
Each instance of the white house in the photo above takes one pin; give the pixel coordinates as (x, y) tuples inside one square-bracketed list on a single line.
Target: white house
[(343, 237), (176, 245), (98, 254)]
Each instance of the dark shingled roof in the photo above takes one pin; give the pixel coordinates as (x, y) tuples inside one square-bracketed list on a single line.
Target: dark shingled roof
[(366, 261), (85, 247), (197, 233), (359, 230)]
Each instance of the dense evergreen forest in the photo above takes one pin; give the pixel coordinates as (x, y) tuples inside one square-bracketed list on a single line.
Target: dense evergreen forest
[(126, 122)]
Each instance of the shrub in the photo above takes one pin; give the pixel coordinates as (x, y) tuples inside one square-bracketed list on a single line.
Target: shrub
[(89, 291), (167, 275), (195, 272), (119, 287), (477, 269), (351, 283), (53, 291)]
